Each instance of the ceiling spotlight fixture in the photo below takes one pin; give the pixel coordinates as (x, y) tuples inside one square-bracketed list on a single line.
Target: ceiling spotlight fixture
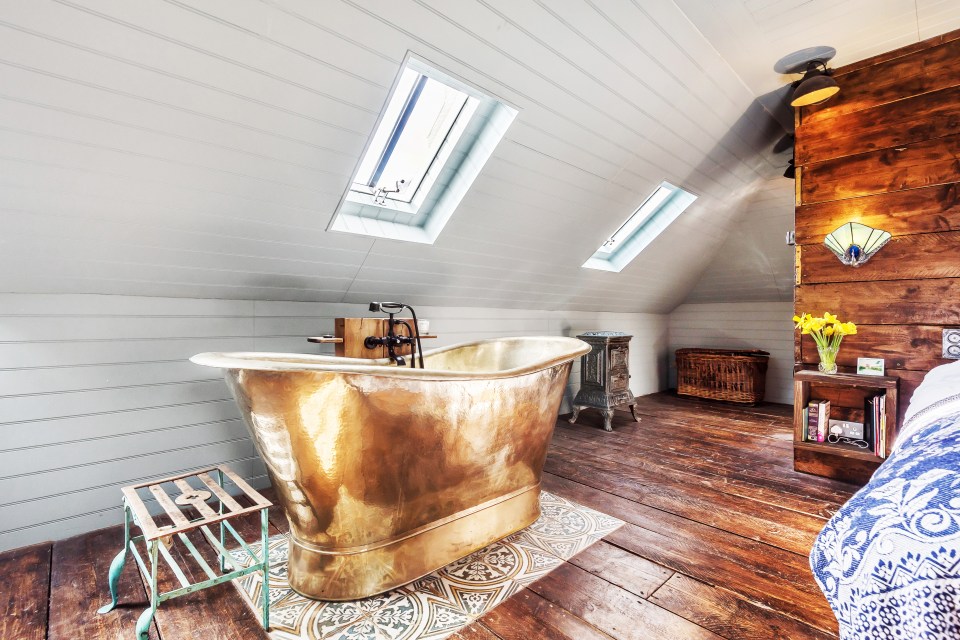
[(815, 86), (784, 143), (791, 171)]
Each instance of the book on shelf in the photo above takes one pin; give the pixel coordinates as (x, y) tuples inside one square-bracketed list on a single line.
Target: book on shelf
[(818, 420), (875, 423), (805, 421)]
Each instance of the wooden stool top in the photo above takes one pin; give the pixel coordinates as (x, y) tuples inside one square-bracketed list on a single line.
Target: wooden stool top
[(192, 496)]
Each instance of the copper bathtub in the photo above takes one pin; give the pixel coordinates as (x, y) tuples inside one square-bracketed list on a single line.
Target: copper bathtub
[(385, 473)]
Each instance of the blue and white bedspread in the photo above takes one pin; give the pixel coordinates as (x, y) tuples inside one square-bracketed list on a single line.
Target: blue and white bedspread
[(889, 559)]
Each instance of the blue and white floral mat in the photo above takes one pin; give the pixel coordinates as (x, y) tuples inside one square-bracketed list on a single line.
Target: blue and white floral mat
[(438, 604)]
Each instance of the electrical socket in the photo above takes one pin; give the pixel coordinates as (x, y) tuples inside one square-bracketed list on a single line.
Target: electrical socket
[(951, 344)]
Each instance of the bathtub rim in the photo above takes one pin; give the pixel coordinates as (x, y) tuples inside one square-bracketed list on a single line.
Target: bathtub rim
[(272, 361)]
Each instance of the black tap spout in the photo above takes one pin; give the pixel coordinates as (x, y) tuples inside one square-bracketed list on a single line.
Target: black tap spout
[(413, 333)]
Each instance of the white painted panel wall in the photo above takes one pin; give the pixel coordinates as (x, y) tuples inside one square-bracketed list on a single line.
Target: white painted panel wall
[(739, 325), (96, 391)]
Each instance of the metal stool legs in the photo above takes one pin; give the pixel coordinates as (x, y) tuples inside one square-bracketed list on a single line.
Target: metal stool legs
[(116, 567), (157, 540), (143, 622)]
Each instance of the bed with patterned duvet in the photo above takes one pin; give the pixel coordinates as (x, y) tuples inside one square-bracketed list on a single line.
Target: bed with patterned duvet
[(889, 560)]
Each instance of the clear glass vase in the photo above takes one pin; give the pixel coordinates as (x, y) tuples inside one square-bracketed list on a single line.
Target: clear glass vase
[(828, 359)]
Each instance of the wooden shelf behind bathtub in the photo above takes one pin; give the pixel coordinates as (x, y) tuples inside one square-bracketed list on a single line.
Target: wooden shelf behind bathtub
[(349, 334)]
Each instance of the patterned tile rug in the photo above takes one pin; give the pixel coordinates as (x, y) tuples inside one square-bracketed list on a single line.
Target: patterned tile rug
[(441, 603)]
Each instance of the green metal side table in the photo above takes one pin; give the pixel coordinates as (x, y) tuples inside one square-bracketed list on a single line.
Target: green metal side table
[(185, 509)]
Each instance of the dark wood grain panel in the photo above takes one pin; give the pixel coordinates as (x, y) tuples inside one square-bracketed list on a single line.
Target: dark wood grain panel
[(926, 255), (475, 631), (613, 610), (915, 347), (26, 592), (923, 210), (771, 577), (921, 164), (78, 586), (909, 381), (932, 302), (622, 568), (930, 69), (841, 396), (836, 467), (528, 615), (729, 614), (722, 472), (774, 525), (913, 119)]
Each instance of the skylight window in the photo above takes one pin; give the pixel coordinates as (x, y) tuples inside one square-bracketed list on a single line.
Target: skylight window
[(434, 136), (417, 121), (649, 220)]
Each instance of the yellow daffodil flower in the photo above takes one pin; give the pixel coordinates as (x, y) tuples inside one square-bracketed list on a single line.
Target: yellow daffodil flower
[(827, 331)]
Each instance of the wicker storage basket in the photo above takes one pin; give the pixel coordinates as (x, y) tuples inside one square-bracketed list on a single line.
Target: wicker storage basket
[(722, 374)]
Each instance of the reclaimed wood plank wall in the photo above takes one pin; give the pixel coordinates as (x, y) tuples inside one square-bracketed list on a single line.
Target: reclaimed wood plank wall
[(886, 152)]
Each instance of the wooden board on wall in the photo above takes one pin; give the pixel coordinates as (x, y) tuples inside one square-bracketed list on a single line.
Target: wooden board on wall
[(888, 125), (918, 256), (928, 68), (933, 302), (884, 152), (353, 331), (919, 164), (923, 210)]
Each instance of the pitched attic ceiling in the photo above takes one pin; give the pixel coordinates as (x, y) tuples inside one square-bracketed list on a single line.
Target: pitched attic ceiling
[(754, 264), (199, 148)]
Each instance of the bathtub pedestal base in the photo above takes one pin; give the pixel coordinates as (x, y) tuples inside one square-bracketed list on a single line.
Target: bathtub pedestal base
[(351, 574)]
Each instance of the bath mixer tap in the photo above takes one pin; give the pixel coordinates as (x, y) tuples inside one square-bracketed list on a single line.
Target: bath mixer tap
[(391, 341)]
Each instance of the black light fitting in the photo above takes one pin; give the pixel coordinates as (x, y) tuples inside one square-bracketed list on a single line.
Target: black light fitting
[(816, 86), (791, 171)]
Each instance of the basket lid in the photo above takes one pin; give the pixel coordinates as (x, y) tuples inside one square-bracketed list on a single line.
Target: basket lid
[(605, 334), (724, 352)]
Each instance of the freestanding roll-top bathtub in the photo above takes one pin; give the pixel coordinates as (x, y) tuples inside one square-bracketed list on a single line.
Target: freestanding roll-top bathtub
[(388, 473)]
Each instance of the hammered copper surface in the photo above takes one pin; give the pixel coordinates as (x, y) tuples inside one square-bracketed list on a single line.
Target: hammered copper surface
[(387, 473)]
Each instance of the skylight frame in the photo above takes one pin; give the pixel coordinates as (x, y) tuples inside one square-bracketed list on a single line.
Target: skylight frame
[(477, 130), (649, 220), (402, 106)]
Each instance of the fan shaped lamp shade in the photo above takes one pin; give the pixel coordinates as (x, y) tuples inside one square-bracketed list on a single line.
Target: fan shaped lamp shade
[(855, 243)]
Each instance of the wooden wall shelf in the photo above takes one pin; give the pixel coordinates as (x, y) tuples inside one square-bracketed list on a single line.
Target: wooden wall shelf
[(846, 393)]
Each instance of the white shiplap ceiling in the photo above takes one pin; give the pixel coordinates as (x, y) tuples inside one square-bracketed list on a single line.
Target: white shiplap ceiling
[(199, 147), (754, 263)]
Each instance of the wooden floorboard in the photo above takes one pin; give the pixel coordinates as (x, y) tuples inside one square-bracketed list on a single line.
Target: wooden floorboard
[(78, 587), (26, 592), (613, 610), (727, 613), (718, 529), (528, 615), (217, 612)]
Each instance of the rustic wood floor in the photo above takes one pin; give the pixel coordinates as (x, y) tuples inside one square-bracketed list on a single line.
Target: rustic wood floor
[(716, 542)]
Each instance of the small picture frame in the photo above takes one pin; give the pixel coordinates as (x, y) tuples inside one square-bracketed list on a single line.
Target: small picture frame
[(870, 366)]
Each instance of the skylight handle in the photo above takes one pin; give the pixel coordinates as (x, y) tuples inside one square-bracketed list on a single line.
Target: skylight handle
[(380, 193)]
